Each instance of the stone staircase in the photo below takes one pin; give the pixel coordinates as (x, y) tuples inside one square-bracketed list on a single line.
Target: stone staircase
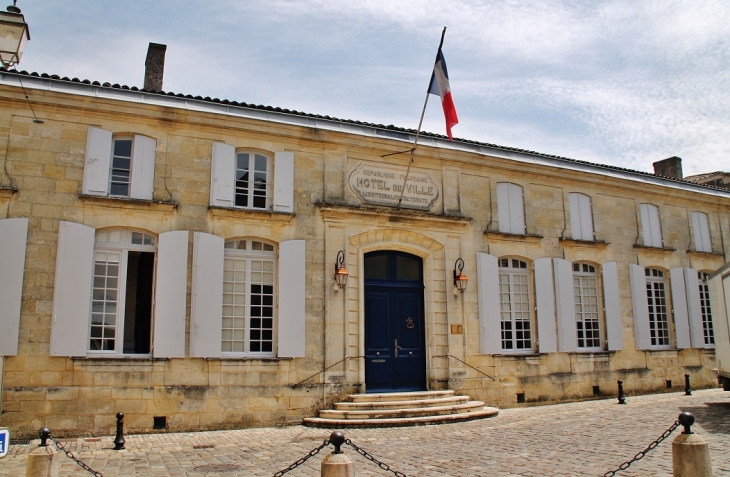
[(401, 409)]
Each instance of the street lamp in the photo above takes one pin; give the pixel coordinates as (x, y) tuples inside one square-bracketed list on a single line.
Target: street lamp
[(460, 278), (14, 34), (340, 271)]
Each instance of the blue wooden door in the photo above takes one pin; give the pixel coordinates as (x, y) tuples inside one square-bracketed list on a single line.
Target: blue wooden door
[(395, 337)]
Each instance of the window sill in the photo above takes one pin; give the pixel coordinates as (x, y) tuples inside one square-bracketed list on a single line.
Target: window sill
[(705, 254), (115, 359), (649, 248), (584, 243), (509, 237), (264, 214), (248, 359), (125, 202)]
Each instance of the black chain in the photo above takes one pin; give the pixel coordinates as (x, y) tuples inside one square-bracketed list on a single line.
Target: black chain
[(643, 453), (383, 466), (60, 447), (296, 464)]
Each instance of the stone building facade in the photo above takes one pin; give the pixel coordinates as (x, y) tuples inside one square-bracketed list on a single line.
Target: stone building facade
[(172, 258)]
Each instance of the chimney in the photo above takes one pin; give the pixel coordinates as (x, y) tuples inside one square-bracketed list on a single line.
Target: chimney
[(154, 67), (671, 167)]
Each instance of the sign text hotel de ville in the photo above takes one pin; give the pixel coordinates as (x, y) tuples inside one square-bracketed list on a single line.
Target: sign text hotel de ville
[(381, 184)]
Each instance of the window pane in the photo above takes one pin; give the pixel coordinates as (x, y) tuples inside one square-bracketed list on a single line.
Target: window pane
[(376, 267), (407, 268)]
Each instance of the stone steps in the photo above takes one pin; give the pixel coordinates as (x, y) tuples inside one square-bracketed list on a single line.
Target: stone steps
[(401, 409)]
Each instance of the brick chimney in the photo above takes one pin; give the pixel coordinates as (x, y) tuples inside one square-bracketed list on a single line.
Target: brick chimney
[(154, 67), (671, 167)]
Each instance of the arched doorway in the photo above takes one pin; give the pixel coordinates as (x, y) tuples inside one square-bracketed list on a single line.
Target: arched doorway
[(395, 337)]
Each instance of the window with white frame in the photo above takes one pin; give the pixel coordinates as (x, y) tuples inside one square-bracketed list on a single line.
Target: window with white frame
[(657, 301), (701, 226), (651, 225), (122, 290), (248, 297), (510, 208), (514, 305), (581, 216), (252, 180), (706, 309), (587, 317), (119, 165)]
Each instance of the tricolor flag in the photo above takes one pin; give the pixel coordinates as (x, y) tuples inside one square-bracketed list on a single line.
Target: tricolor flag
[(440, 87)]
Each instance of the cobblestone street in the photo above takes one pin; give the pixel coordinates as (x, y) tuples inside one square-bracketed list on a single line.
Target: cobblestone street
[(576, 439)]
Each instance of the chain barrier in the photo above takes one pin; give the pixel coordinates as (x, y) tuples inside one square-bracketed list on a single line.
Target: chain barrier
[(296, 464), (68, 453), (643, 453), (369, 457)]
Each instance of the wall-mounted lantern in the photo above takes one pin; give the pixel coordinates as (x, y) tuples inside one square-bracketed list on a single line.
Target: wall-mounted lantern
[(340, 271), (14, 34), (460, 278)]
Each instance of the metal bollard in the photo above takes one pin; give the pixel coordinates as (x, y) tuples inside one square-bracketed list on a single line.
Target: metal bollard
[(119, 440), (42, 461), (690, 452), (621, 397), (337, 464), (687, 388)]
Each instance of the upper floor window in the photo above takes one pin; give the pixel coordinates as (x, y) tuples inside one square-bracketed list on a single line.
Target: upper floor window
[(510, 208), (581, 216), (585, 288), (656, 296), (701, 227), (249, 179), (705, 309), (119, 166), (514, 304), (651, 228)]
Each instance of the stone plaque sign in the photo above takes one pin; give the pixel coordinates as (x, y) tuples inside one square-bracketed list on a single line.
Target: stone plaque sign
[(381, 184)]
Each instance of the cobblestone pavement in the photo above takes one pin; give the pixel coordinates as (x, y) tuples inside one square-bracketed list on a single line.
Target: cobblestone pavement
[(575, 439)]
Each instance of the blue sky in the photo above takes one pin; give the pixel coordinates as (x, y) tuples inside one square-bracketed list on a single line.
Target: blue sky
[(619, 82)]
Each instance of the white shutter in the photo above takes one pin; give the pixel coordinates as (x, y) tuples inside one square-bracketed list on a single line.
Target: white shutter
[(679, 306), (503, 207), (207, 296), (97, 162), (516, 209), (719, 289), (222, 175), (650, 225), (292, 303), (171, 289), (586, 217), (545, 300), (612, 309), (575, 217), (565, 301), (701, 228), (490, 334), (640, 306), (143, 167), (13, 239), (72, 290), (694, 308), (284, 182)]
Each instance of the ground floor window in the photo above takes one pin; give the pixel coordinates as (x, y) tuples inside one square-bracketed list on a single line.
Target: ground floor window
[(657, 299), (514, 304), (585, 289), (705, 309)]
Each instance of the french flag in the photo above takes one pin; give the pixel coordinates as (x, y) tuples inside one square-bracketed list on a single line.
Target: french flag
[(440, 87)]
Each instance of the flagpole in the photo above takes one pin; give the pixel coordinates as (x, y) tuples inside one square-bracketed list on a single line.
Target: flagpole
[(420, 123)]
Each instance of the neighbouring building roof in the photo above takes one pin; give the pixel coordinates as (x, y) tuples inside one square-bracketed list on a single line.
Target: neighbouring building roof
[(237, 108), (719, 179)]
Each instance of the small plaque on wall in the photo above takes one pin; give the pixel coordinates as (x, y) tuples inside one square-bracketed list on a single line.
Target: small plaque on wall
[(383, 184), (457, 329)]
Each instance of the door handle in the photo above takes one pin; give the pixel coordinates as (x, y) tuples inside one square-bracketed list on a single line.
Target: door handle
[(397, 348)]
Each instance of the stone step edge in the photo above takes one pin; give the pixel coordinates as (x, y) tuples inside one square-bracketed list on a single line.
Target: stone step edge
[(414, 421), (382, 405), (405, 413), (377, 397)]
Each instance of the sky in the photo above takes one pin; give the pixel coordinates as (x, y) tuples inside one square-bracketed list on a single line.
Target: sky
[(622, 82)]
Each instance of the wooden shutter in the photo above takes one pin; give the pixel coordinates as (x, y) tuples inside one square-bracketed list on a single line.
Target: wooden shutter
[(284, 182), (97, 162), (490, 334), (516, 209), (612, 309), (72, 290), (565, 305), (503, 207), (719, 289), (701, 228), (640, 304), (650, 225), (575, 226), (694, 308), (292, 302), (545, 300), (207, 296), (222, 175), (586, 217), (13, 239), (143, 167), (679, 307), (171, 289)]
